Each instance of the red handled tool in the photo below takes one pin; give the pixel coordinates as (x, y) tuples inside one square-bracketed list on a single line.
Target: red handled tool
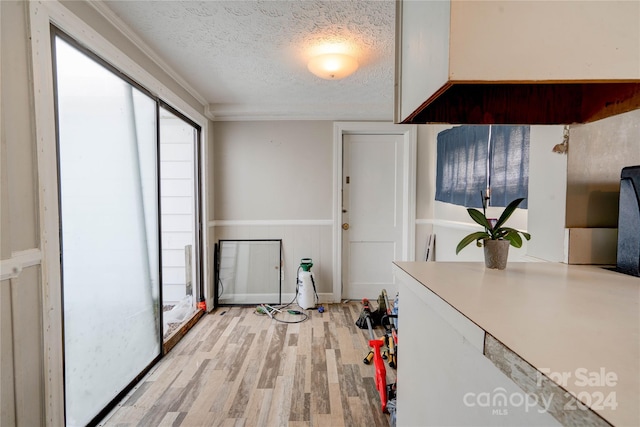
[(381, 372)]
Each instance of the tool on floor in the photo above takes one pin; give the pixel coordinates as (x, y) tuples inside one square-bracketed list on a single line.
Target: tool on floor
[(381, 373), (388, 341), (373, 315), (391, 326), (391, 334), (364, 321), (391, 409)]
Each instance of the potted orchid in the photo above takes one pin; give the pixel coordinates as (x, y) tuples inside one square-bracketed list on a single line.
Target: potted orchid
[(496, 238)]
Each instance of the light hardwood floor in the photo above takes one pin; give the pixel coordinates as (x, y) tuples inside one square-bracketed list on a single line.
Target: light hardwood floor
[(237, 368)]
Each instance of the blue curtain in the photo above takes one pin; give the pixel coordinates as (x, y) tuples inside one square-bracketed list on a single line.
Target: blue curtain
[(462, 165)]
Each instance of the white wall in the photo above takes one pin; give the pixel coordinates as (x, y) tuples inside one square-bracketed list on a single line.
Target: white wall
[(547, 194), (274, 180), (425, 184), (273, 170), (450, 223), (584, 185), (21, 348)]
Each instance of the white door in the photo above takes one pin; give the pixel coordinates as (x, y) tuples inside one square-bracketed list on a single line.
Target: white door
[(372, 217)]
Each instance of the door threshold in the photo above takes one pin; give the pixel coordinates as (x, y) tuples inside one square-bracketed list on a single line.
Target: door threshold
[(177, 335)]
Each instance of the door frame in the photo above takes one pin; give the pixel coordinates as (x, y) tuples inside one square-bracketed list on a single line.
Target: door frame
[(410, 135)]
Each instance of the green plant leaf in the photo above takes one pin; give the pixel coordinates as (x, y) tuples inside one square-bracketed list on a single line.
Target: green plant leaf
[(508, 211), (514, 238), (479, 217), (478, 235), (513, 230), (498, 233)]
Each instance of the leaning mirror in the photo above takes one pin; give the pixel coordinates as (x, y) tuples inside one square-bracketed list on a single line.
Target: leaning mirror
[(248, 272)]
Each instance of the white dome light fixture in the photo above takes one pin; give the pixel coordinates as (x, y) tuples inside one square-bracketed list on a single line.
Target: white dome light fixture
[(333, 66)]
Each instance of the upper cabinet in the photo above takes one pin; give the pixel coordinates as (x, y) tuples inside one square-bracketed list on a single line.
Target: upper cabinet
[(516, 62)]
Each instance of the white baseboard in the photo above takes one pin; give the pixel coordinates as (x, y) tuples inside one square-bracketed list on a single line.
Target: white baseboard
[(269, 298)]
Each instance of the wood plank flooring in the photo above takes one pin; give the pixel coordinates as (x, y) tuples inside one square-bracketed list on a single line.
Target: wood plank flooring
[(237, 368)]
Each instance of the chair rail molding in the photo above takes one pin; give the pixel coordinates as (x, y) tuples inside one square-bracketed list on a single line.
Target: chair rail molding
[(12, 267), (269, 222)]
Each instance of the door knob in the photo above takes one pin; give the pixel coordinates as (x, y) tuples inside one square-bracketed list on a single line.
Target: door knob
[(345, 226)]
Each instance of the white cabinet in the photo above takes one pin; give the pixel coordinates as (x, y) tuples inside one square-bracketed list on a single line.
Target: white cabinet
[(517, 346), (443, 377), (537, 62)]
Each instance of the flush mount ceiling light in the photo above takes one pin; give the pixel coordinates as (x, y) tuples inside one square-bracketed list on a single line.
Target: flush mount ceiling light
[(333, 66)]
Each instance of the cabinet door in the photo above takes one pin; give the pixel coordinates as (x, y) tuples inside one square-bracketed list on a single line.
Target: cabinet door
[(422, 53)]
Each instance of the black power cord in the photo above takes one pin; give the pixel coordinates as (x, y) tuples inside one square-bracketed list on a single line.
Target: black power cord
[(272, 312)]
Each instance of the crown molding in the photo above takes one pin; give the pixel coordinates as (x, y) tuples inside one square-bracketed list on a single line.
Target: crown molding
[(257, 112), (130, 34)]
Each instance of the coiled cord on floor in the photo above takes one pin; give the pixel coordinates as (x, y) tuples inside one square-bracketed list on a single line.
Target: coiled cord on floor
[(272, 312)]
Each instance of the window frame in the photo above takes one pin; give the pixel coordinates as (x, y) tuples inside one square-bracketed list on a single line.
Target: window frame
[(41, 16), (467, 158)]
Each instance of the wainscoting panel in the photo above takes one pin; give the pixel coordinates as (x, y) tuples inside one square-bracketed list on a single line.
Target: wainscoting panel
[(300, 239), (21, 343)]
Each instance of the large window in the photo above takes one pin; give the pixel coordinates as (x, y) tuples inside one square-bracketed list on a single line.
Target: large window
[(109, 239), (115, 141), (472, 158)]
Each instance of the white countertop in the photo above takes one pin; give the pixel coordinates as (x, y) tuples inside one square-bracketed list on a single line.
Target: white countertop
[(577, 321)]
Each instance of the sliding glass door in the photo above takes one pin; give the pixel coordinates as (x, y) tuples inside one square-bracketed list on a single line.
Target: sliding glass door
[(109, 210), (180, 207)]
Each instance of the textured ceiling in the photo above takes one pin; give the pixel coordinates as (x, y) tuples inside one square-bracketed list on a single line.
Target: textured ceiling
[(248, 59)]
